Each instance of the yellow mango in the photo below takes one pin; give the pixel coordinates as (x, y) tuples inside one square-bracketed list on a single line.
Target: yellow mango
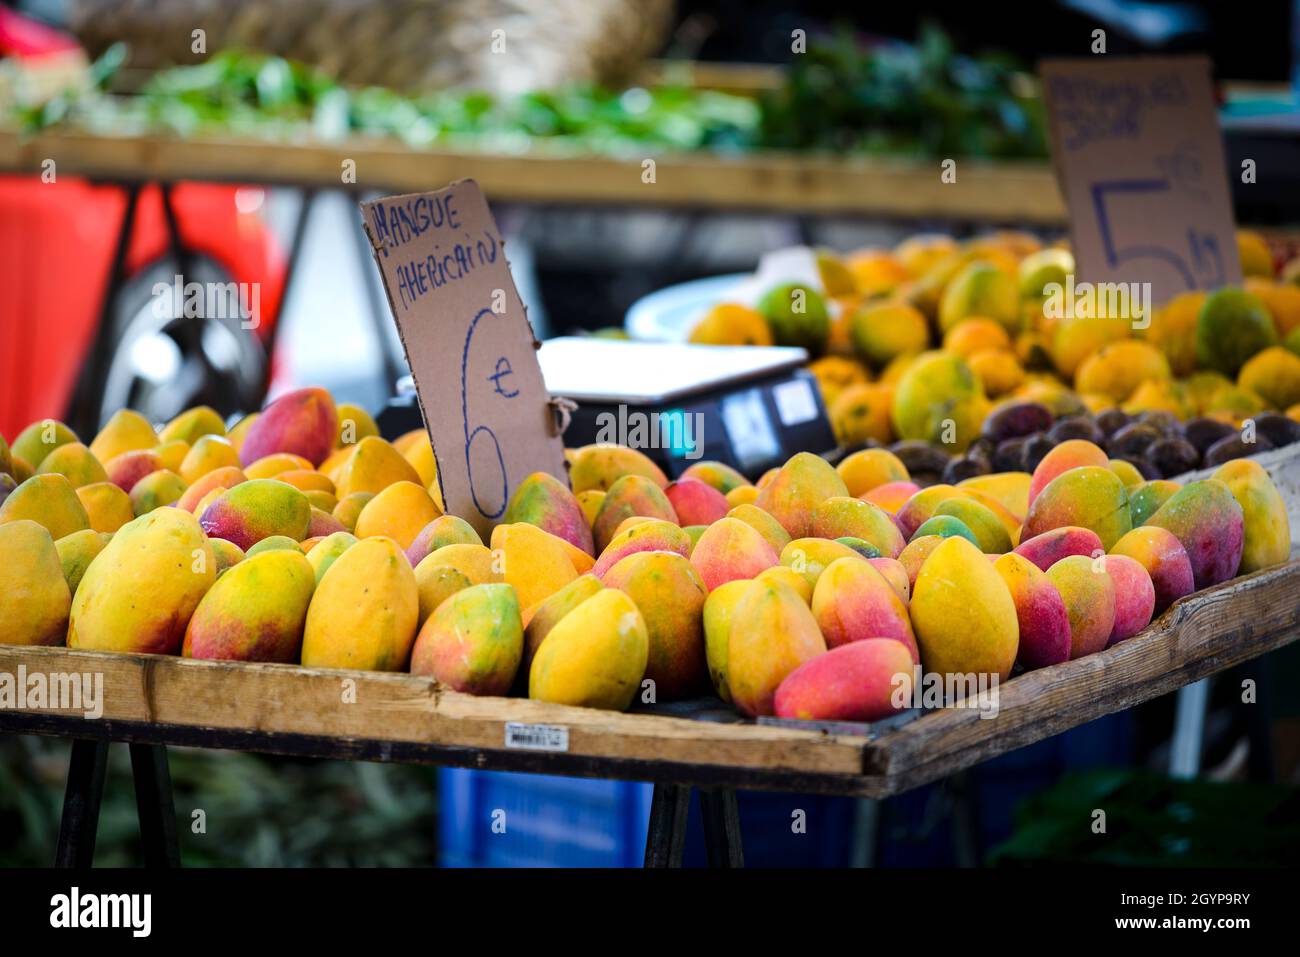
[(594, 657), (36, 595)]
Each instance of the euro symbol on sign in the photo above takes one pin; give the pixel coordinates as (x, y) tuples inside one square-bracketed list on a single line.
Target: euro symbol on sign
[(503, 370)]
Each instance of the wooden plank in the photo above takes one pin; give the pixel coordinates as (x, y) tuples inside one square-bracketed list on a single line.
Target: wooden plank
[(1021, 192), (369, 716)]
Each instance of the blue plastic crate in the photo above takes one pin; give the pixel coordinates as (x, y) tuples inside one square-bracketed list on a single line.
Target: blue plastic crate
[(549, 821)]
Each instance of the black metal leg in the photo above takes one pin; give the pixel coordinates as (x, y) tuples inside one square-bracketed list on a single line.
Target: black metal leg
[(153, 801), (667, 834), (80, 821), (965, 819), (722, 840)]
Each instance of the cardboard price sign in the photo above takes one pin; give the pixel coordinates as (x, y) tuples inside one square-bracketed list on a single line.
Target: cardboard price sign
[(1139, 157), (469, 346)]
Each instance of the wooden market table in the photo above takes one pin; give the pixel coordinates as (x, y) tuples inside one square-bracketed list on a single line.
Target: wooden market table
[(152, 701)]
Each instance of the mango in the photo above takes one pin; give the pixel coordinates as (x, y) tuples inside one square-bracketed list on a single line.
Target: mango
[(303, 422), (156, 490), (947, 526), (862, 413), (811, 556), (400, 511), (743, 495), (125, 431), (193, 424), (1266, 529), (74, 462), (841, 516), (254, 612), (372, 466), (473, 641), (275, 464), (670, 596), (539, 619), (355, 423), (855, 682), (1274, 375), (590, 502), (981, 289), (859, 545), (867, 469), (914, 555), (963, 616), (1090, 497), (274, 543), (365, 610), (654, 535), (255, 509), (729, 550), (627, 496), (1135, 596), (530, 559), (348, 510), (76, 552), (475, 562), (1070, 454), (443, 530), (307, 479), (228, 554), (172, 454), (763, 523), (891, 496), (323, 554), (1048, 548), (798, 487), (1232, 326), (322, 501), (1161, 553), (36, 594), (1040, 612), (1010, 489), (939, 399), (1145, 499), (895, 573), (772, 633), (50, 501), (543, 500), (1089, 595), (322, 523), (784, 575), (227, 476), (919, 509), (852, 601), (38, 440), (695, 502), (420, 454), (1210, 523), (594, 657), (721, 476), (107, 507), (797, 316), (129, 467), (719, 612), (140, 591), (600, 466), (1118, 368), (990, 534)]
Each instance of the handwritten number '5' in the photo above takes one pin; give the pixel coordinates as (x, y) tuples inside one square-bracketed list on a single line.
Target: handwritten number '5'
[(484, 433), (1206, 257)]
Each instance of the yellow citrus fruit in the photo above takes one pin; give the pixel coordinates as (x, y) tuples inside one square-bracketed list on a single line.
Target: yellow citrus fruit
[(884, 331), (998, 370), (1256, 259), (975, 334), (862, 412), (731, 324)]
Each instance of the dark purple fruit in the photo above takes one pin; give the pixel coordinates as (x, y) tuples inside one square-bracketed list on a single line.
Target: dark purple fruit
[(920, 456), (1112, 420), (1035, 448), (1281, 430), (1076, 427), (1132, 441), (1162, 420), (1173, 456), (964, 467), (1017, 419), (1009, 456), (1203, 433), (1148, 471), (925, 479), (1232, 447)]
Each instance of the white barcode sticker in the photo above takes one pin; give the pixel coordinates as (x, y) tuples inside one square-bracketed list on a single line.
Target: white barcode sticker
[(536, 737)]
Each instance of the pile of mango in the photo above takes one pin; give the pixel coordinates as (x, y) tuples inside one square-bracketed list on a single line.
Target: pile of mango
[(936, 331), (300, 535)]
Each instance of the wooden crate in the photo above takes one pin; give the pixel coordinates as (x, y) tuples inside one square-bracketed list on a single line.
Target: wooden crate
[(392, 717)]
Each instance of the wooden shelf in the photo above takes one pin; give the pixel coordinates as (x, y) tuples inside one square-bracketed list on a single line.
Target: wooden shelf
[(1022, 192), (293, 710)]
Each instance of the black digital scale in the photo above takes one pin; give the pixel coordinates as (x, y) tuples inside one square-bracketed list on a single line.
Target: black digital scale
[(749, 407)]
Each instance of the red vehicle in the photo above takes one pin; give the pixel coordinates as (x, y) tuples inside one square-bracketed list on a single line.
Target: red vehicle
[(114, 295)]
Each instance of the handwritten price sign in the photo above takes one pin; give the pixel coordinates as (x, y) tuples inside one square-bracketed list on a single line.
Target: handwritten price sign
[(1139, 156), (469, 345)]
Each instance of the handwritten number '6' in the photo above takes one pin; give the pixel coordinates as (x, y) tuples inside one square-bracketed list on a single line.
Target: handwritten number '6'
[(479, 432)]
